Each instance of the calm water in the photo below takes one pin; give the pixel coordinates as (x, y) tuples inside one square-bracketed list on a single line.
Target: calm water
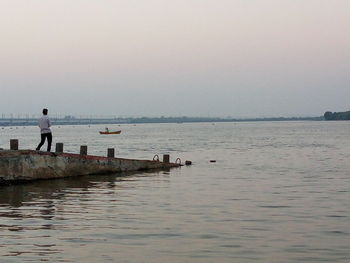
[(279, 192)]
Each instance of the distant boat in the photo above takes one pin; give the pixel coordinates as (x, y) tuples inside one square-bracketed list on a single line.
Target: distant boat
[(110, 132)]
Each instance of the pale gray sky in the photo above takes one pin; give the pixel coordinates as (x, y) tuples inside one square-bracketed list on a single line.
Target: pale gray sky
[(239, 58)]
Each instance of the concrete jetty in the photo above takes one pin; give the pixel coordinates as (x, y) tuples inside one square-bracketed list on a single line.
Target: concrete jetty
[(26, 165)]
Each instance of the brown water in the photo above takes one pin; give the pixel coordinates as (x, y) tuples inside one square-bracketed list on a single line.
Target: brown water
[(279, 192)]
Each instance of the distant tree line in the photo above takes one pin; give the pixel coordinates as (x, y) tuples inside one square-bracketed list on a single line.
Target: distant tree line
[(72, 120), (333, 116)]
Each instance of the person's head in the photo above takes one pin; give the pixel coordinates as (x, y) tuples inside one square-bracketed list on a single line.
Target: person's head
[(45, 111)]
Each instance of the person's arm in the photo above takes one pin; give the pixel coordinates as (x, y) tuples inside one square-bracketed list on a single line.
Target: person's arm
[(48, 122)]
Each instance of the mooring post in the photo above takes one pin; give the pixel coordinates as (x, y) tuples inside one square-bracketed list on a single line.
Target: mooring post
[(59, 147), (14, 144), (110, 153), (166, 158), (83, 150)]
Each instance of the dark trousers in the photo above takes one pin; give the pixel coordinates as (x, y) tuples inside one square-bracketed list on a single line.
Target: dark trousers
[(49, 141)]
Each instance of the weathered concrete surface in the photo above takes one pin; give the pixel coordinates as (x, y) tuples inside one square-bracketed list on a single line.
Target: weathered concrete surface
[(26, 165)]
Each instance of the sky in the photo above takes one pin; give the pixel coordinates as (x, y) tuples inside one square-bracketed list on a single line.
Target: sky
[(216, 58)]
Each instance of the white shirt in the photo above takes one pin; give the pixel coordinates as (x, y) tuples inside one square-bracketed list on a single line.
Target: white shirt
[(44, 124)]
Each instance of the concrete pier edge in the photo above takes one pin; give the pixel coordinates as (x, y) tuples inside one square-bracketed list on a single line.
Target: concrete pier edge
[(28, 165)]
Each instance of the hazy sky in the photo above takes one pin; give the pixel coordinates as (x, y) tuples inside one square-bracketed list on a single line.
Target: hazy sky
[(239, 58)]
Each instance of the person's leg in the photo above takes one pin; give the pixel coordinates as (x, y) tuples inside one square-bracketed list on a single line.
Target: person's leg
[(49, 141), (41, 142)]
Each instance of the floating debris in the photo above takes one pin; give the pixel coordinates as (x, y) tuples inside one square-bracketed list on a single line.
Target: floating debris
[(187, 162)]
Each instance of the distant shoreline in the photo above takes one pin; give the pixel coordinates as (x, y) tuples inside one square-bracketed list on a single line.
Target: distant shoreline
[(90, 121)]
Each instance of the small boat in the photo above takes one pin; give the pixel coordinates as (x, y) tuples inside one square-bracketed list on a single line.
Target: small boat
[(110, 132)]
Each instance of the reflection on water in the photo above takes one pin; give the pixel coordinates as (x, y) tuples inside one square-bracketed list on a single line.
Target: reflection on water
[(33, 214), (279, 192)]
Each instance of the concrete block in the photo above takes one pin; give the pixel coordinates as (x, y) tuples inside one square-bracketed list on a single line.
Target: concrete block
[(166, 158), (110, 153), (14, 144), (59, 147), (83, 150)]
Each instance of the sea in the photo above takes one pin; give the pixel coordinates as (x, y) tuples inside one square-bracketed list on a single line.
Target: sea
[(255, 192)]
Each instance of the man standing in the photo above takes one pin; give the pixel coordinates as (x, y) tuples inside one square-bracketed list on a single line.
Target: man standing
[(44, 124)]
